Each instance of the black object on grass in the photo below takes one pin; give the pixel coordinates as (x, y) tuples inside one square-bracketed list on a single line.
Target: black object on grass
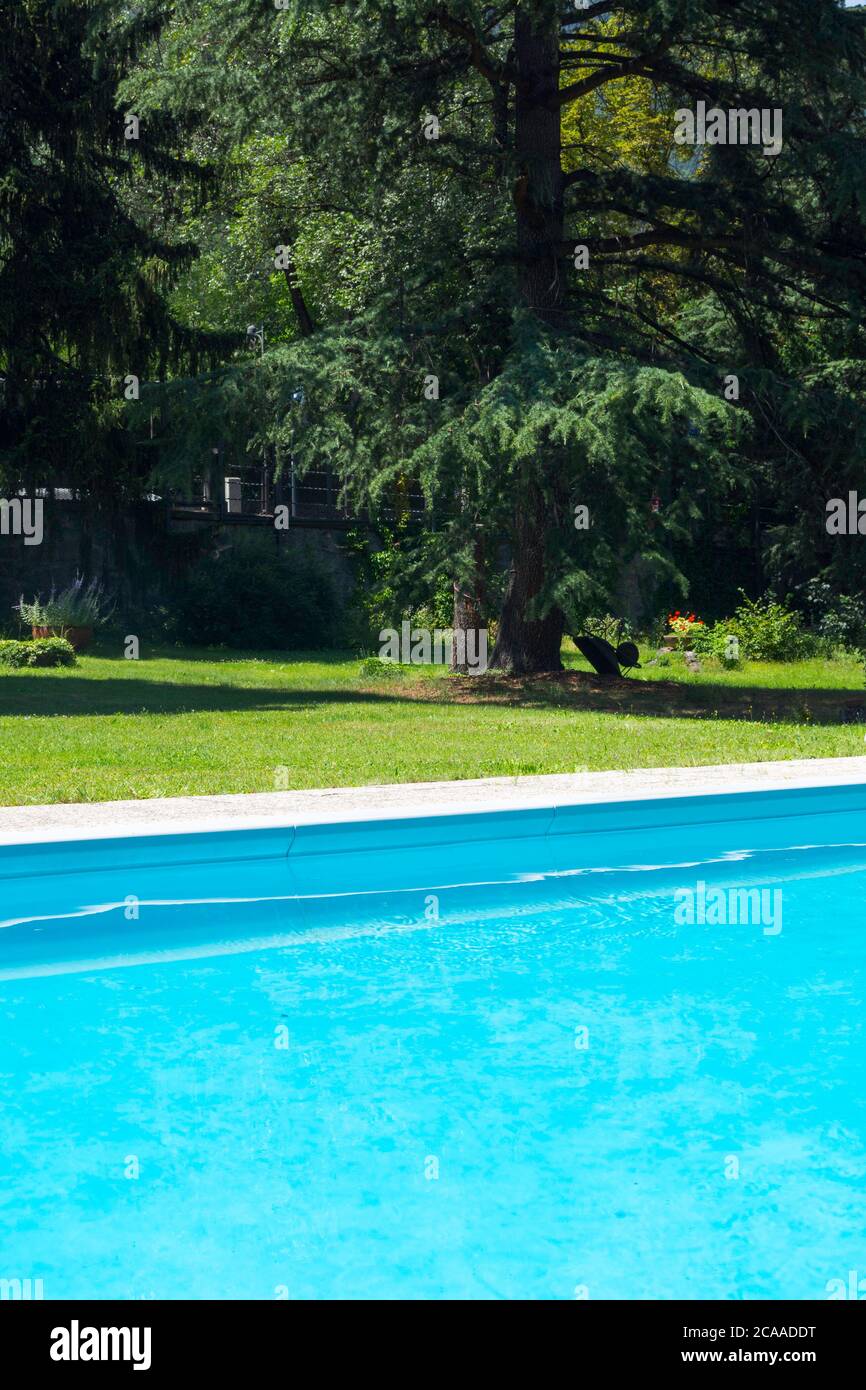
[(605, 659)]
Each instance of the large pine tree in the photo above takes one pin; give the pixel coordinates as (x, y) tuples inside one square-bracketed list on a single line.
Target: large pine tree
[(517, 376), (82, 276)]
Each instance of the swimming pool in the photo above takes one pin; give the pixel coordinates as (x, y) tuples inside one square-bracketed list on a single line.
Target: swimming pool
[(604, 1051)]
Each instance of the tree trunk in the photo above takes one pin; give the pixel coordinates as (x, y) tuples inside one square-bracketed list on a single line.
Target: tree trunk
[(305, 319), (468, 617), (537, 138), (525, 645), (532, 644)]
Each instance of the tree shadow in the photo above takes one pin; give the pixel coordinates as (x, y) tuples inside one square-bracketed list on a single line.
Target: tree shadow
[(110, 649), (656, 699), (46, 693)]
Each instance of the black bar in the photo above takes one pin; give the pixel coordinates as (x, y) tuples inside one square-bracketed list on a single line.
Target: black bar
[(652, 1338)]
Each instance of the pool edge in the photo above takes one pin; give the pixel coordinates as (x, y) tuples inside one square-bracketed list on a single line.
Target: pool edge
[(358, 806)]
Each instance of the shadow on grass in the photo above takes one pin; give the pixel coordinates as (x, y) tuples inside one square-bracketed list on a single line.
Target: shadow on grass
[(633, 697), (45, 693), (111, 649), (57, 695)]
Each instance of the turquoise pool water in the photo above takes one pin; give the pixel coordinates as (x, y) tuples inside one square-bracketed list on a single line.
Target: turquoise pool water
[(480, 1057)]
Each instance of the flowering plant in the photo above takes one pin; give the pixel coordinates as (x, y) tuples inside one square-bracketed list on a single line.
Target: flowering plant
[(78, 605), (683, 625)]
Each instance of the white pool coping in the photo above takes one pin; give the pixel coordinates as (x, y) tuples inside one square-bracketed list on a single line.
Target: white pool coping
[(330, 805)]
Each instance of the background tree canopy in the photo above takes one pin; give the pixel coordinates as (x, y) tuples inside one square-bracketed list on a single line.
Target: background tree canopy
[(430, 171)]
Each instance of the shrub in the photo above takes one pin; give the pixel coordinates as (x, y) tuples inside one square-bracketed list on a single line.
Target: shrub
[(840, 619), (78, 605), (256, 598), (14, 653), (379, 669), (44, 651), (768, 631), (608, 628), (393, 583), (716, 641), (765, 631)]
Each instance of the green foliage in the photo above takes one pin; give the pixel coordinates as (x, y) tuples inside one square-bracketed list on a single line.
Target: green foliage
[(78, 605), (609, 628), (252, 597), (714, 640), (558, 387), (88, 245), (44, 651), (377, 669), (438, 610), (769, 631), (765, 629), (234, 281), (397, 580), (838, 618), (630, 123)]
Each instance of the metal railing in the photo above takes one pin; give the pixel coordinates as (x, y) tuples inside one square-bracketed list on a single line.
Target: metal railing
[(249, 493)]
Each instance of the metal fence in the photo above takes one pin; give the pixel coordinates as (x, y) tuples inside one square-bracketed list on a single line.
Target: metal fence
[(252, 492)]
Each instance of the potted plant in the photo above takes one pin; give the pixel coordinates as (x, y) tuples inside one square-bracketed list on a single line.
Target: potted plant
[(681, 628), (73, 613)]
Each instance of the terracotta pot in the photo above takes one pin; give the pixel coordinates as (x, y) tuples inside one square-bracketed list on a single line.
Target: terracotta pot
[(78, 637)]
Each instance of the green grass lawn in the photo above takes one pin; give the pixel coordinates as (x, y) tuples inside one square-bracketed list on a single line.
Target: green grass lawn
[(195, 722)]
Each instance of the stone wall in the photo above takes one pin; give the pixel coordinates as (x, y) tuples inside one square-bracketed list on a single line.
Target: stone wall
[(140, 555)]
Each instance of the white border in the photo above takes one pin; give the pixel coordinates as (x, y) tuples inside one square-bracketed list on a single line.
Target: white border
[(339, 805)]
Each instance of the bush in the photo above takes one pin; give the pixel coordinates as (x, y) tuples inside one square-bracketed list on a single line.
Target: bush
[(721, 641), (378, 669), (399, 578), (78, 605), (394, 584), (609, 628), (44, 651), (254, 597), (840, 619), (768, 631), (765, 631)]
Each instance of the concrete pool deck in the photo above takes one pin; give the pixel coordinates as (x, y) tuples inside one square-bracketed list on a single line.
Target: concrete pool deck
[(248, 810)]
